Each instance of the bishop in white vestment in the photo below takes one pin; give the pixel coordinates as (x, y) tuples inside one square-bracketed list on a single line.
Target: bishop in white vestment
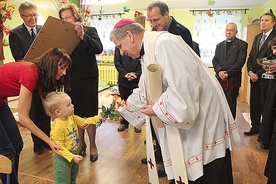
[(192, 105)]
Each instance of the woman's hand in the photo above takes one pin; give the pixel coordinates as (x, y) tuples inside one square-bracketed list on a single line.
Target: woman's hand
[(79, 29), (54, 147)]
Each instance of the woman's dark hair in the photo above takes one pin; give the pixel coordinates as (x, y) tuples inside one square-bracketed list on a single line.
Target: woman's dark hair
[(47, 65), (270, 44)]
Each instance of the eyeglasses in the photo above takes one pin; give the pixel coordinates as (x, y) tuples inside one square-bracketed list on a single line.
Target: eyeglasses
[(154, 20), (65, 18), (30, 15)]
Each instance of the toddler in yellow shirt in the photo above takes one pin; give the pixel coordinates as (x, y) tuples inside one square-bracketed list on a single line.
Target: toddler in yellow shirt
[(64, 133)]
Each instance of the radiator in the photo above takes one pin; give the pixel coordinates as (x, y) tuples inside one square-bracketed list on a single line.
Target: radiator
[(108, 73)]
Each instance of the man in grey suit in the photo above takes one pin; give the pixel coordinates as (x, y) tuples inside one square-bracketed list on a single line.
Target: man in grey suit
[(21, 38), (230, 56)]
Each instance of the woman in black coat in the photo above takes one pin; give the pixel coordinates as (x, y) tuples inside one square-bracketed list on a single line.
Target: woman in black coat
[(84, 74), (269, 112)]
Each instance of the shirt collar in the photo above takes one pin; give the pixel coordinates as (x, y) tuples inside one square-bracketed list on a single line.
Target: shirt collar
[(29, 28), (267, 33), (168, 25), (229, 41)]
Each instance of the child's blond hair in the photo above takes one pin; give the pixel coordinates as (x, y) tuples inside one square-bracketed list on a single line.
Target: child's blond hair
[(53, 100)]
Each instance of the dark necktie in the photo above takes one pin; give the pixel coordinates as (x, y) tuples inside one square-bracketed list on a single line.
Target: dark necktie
[(33, 34), (262, 41)]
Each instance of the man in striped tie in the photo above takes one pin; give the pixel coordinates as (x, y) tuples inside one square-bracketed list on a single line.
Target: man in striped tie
[(21, 38), (259, 85)]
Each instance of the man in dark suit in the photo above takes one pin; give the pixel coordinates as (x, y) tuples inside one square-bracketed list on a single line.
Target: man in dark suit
[(160, 20), (230, 56), (129, 74), (259, 86), (21, 38), (196, 48)]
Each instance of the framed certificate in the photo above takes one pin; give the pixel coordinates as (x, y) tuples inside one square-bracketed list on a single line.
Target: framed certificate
[(54, 33)]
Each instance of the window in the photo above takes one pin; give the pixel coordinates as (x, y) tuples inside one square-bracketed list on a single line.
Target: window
[(209, 31)]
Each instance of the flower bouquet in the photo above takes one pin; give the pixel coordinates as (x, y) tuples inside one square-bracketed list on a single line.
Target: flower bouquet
[(111, 111), (6, 12)]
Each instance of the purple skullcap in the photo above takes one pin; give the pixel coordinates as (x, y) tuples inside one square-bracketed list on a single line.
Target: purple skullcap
[(123, 22)]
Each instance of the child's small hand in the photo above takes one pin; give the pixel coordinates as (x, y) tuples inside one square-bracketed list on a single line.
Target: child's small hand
[(77, 159), (102, 119)]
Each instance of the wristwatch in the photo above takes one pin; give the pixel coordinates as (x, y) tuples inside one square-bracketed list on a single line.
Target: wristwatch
[(249, 72)]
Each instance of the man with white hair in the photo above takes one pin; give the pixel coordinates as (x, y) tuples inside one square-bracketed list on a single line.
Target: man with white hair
[(192, 105)]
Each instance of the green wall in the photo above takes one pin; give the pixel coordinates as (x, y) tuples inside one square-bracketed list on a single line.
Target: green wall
[(269, 5), (256, 13), (184, 16)]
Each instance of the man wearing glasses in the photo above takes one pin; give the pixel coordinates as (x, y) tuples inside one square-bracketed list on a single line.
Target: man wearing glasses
[(21, 38), (160, 20)]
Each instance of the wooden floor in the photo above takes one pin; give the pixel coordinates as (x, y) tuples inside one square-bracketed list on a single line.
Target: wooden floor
[(120, 155)]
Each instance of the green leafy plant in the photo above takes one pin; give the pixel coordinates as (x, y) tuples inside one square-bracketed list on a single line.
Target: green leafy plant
[(110, 112)]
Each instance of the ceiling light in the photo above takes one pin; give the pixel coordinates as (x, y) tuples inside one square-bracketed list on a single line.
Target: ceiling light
[(102, 2)]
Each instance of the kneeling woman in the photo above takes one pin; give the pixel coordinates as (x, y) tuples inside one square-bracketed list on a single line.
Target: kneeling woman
[(46, 74)]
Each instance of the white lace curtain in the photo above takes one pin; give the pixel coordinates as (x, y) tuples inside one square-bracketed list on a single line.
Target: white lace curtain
[(209, 31), (104, 27)]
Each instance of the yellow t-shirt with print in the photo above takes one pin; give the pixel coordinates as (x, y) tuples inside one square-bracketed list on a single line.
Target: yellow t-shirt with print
[(65, 134)]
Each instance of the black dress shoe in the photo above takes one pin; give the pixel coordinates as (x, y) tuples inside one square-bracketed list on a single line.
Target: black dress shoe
[(172, 181), (83, 151), (122, 128), (264, 146), (161, 172), (93, 158), (251, 132), (157, 159), (38, 149), (144, 160), (137, 130)]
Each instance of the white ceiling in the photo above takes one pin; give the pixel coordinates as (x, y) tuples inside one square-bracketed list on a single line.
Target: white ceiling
[(173, 4)]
